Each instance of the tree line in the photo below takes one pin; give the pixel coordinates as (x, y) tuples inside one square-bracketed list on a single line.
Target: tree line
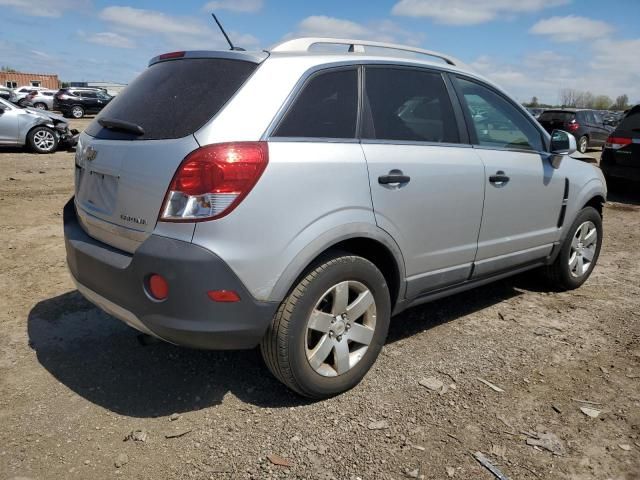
[(569, 97)]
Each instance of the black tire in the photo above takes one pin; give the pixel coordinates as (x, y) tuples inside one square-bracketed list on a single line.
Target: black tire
[(40, 106), (583, 144), (559, 273), (77, 111), (285, 342), (42, 140)]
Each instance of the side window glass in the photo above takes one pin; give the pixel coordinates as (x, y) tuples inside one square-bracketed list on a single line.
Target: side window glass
[(327, 107), (497, 122), (409, 105)]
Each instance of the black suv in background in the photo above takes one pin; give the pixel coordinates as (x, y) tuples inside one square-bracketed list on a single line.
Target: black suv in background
[(76, 102), (586, 125), (621, 154)]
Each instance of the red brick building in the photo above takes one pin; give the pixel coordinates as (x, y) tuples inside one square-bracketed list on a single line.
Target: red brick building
[(18, 79)]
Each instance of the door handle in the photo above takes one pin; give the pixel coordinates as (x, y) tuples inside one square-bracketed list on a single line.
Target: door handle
[(394, 176), (499, 178)]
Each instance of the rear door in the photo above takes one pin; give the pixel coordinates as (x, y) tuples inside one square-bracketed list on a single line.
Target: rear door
[(524, 193), (600, 131), (427, 183), (122, 177), (89, 101)]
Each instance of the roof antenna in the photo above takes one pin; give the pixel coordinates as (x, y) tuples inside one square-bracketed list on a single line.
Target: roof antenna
[(225, 34)]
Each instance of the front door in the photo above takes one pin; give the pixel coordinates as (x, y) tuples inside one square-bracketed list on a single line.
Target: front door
[(524, 193), (427, 187), (9, 124)]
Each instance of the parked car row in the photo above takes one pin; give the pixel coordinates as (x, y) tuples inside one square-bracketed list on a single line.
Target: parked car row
[(72, 102)]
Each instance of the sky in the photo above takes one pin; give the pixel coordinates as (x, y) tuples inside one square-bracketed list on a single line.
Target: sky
[(529, 47)]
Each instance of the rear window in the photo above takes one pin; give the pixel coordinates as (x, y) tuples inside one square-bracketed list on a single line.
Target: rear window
[(557, 117), (175, 98), (631, 121)]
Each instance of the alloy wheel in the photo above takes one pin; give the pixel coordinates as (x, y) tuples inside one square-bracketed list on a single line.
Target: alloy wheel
[(340, 328), (583, 249), (44, 140)]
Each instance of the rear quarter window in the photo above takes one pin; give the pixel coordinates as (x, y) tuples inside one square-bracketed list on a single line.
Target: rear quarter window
[(175, 98)]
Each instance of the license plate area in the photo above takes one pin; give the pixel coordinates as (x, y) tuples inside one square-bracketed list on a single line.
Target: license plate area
[(98, 191)]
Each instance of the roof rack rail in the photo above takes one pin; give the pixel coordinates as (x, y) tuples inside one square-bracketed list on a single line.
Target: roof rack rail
[(304, 44)]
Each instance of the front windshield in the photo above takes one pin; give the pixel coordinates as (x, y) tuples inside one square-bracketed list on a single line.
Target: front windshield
[(5, 103)]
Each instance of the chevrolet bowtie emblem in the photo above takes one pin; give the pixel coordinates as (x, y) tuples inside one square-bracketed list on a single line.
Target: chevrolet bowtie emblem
[(90, 154)]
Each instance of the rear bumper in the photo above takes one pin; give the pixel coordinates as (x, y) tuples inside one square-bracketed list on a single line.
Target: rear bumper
[(114, 280), (613, 169)]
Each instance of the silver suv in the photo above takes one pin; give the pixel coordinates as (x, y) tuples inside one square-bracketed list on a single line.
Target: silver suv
[(297, 198)]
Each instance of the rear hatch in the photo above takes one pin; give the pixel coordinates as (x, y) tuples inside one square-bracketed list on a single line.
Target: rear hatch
[(556, 120), (625, 140), (128, 155)]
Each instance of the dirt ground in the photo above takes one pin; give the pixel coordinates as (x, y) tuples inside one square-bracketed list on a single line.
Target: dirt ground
[(74, 382)]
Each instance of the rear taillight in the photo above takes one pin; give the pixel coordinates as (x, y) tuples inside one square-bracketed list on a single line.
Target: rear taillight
[(573, 126), (617, 142), (213, 180)]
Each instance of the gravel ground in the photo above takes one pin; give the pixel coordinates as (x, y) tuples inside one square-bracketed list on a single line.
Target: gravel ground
[(81, 398)]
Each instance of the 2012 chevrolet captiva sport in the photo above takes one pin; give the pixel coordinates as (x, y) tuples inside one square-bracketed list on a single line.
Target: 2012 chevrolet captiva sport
[(299, 197)]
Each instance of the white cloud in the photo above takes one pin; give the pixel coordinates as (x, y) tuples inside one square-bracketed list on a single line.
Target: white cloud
[(571, 28), (44, 8), (159, 31), (331, 27), (110, 39), (469, 12), (545, 73), (240, 6), (151, 21)]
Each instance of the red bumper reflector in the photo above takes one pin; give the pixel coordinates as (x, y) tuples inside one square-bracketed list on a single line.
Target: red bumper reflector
[(158, 287), (226, 296)]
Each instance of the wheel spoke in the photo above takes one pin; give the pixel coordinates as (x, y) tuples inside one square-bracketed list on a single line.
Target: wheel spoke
[(340, 298), (360, 334), (590, 238), (320, 352), (320, 321), (341, 357), (584, 229), (573, 261), (588, 254), (579, 265), (360, 305)]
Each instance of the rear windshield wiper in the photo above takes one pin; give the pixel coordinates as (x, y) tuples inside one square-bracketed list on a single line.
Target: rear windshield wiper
[(122, 125)]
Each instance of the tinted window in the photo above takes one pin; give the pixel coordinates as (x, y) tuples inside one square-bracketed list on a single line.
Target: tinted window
[(498, 123), (88, 94), (327, 107), (175, 98), (631, 121), (409, 105), (558, 117)]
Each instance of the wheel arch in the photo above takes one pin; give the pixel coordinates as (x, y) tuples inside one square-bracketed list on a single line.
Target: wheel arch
[(597, 202), (371, 243)]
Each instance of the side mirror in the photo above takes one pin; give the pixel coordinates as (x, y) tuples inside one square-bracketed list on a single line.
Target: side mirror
[(562, 143)]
